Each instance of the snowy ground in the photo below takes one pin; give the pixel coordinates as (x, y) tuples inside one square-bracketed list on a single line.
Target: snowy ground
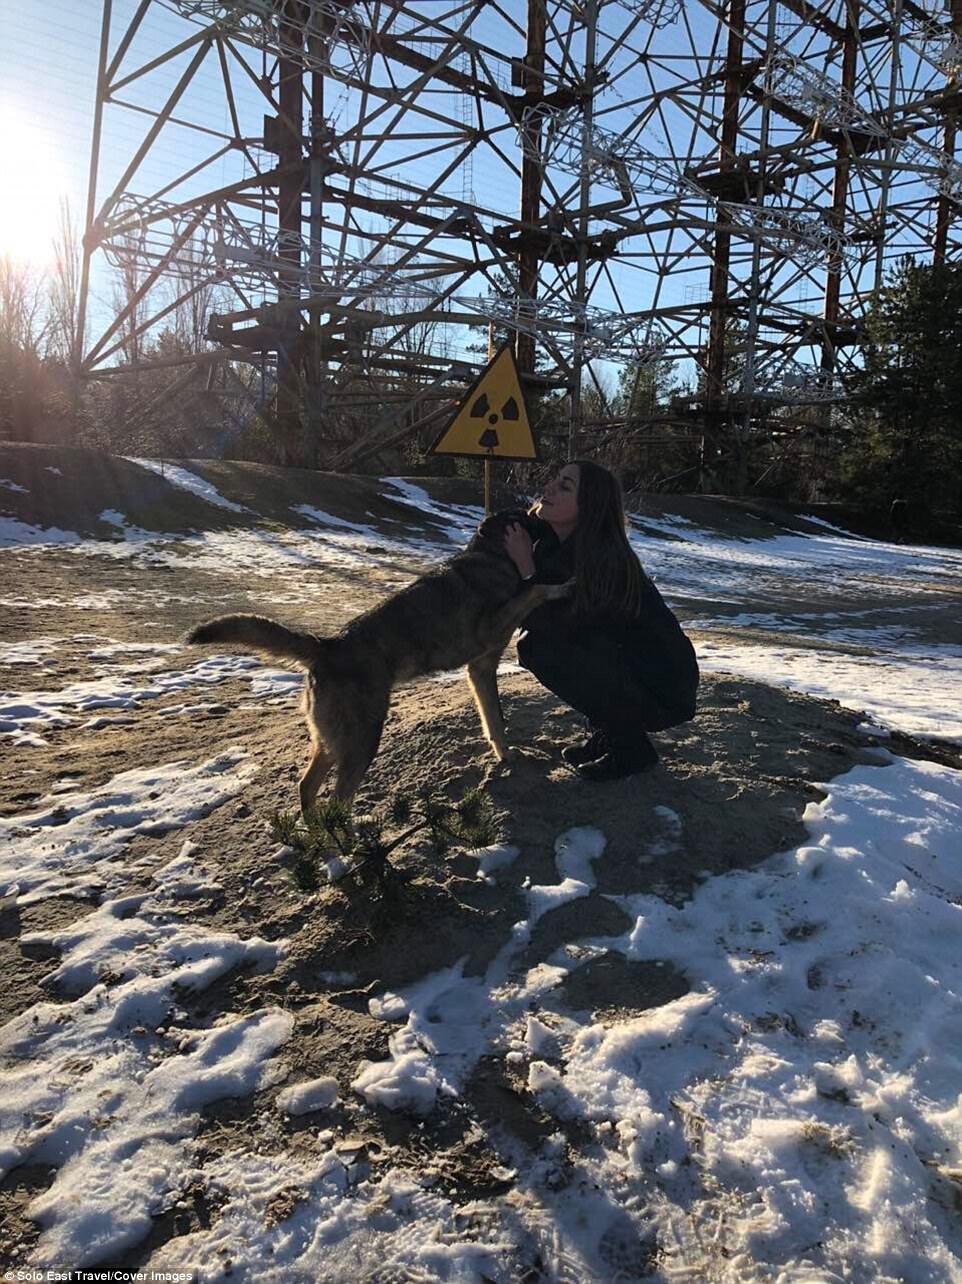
[(789, 1113)]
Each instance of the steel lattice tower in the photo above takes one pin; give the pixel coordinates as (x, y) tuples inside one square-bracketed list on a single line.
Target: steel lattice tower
[(611, 181)]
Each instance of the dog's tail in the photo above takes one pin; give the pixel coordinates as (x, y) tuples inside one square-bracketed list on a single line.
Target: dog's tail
[(261, 633)]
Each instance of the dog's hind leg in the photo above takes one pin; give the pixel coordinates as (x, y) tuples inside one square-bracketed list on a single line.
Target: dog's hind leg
[(318, 766), (356, 743), (321, 759), (351, 768), (483, 681)]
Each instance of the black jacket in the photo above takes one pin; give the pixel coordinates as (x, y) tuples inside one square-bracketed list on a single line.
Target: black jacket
[(651, 644)]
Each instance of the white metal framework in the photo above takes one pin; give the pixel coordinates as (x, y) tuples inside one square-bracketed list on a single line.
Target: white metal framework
[(367, 184)]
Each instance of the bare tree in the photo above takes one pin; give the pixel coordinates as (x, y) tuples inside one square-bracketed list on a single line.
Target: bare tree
[(63, 287), (126, 302), (29, 402), (195, 297), (23, 322)]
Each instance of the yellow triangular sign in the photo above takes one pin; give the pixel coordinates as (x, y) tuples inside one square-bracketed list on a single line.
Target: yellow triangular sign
[(492, 420)]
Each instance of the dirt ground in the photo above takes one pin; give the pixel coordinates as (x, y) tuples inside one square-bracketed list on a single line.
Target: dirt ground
[(739, 777)]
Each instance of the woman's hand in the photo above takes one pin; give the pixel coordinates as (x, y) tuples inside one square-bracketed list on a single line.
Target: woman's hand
[(518, 546)]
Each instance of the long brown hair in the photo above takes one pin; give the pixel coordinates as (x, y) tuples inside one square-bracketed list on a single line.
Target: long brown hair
[(608, 575)]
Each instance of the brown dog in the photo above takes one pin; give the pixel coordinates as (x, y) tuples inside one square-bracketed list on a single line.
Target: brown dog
[(463, 613)]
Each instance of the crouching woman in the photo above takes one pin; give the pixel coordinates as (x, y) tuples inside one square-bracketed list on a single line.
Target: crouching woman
[(613, 651)]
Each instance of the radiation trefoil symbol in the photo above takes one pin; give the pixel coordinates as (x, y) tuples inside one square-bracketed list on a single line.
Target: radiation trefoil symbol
[(483, 410)]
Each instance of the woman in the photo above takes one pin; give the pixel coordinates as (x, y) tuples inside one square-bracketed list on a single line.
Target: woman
[(613, 651)]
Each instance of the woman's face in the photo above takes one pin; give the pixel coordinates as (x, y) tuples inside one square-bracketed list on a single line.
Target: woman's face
[(559, 503)]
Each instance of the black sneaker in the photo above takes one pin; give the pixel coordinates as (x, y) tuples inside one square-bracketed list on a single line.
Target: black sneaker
[(586, 750), (621, 761)]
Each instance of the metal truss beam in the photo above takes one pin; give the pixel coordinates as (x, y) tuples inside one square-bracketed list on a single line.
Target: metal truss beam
[(359, 189)]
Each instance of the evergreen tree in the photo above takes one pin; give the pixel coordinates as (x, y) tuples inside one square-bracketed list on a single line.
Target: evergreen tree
[(645, 390), (906, 411)]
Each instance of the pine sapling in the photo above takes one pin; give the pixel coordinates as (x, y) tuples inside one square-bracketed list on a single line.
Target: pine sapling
[(364, 844)]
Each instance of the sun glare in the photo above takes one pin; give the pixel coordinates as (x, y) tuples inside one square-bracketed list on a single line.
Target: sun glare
[(32, 186)]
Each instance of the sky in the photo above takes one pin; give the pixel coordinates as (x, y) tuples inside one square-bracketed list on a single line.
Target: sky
[(809, 1078), (47, 92)]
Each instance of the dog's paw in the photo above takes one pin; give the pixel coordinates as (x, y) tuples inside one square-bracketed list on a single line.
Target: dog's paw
[(498, 769)]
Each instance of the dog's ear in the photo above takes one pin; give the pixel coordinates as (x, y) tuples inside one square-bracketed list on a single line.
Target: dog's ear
[(493, 527), (490, 534)]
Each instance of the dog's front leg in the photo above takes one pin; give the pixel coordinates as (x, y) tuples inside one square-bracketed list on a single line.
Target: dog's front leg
[(517, 609), (483, 681), (552, 592), (483, 672)]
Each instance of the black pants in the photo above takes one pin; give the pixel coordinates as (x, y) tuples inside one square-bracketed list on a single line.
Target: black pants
[(590, 672)]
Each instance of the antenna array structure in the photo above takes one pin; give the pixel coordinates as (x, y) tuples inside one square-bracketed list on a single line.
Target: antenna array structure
[(368, 183)]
